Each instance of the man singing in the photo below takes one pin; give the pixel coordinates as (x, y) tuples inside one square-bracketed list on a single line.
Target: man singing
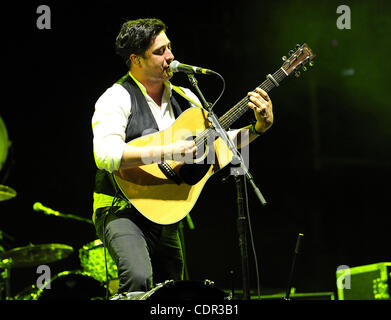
[(144, 100)]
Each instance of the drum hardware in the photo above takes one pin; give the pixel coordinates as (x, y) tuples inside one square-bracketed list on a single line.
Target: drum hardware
[(5, 286), (141, 295), (6, 193), (181, 290), (92, 261), (66, 285), (5, 239), (4, 143), (33, 255), (29, 256)]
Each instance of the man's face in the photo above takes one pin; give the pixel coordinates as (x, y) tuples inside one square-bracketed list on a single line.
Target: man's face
[(157, 59)]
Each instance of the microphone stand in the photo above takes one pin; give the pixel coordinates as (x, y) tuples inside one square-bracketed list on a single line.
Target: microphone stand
[(243, 170), (70, 216), (242, 227), (49, 212)]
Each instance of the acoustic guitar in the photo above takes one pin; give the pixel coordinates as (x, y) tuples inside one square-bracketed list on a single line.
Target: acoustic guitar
[(166, 192)]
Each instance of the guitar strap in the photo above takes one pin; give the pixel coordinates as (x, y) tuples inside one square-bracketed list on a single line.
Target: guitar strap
[(182, 93)]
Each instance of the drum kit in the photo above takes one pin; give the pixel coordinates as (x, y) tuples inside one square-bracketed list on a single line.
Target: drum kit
[(96, 279), (87, 283), (97, 276)]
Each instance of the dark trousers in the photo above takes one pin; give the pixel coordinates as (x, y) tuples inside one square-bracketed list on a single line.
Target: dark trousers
[(145, 253)]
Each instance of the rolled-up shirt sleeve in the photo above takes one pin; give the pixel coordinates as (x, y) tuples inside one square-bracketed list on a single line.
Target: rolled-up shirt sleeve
[(109, 121)]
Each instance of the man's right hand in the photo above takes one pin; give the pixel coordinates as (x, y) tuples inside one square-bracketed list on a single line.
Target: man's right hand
[(182, 151)]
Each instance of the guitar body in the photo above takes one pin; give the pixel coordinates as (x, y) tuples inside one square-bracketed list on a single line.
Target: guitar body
[(158, 197), (165, 193)]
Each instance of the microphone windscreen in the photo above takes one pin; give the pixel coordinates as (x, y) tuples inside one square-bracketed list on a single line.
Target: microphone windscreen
[(37, 206), (174, 66)]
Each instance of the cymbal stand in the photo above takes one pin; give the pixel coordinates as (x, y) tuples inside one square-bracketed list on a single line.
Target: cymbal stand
[(5, 285)]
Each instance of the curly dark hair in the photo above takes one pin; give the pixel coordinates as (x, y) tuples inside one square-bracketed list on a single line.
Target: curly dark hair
[(136, 36)]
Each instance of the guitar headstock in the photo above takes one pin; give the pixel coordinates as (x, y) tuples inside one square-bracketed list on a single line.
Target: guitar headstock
[(298, 59)]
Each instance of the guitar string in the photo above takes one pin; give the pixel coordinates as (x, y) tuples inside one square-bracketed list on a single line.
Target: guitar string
[(243, 104), (239, 108)]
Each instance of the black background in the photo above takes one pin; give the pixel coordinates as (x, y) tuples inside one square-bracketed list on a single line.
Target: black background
[(323, 167)]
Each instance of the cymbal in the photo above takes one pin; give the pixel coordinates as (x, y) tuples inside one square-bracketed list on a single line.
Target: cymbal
[(33, 255), (4, 143), (6, 193)]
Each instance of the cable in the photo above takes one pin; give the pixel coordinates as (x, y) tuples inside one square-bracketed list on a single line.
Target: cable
[(104, 250), (252, 241), (222, 90)]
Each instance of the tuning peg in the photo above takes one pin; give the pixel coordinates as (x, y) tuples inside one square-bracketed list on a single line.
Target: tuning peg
[(311, 64), (291, 52), (297, 74), (298, 46), (284, 58), (304, 68)]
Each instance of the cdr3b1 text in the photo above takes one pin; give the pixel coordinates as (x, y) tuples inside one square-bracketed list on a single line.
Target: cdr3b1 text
[(216, 309)]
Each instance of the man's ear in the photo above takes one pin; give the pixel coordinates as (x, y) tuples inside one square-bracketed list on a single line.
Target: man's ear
[(135, 59)]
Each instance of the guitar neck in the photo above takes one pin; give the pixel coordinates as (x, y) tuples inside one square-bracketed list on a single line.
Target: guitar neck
[(241, 107)]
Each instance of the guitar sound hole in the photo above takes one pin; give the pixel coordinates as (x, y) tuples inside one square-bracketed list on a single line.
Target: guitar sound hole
[(191, 174), (204, 147)]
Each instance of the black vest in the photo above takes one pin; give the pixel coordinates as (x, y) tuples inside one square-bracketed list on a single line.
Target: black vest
[(141, 122)]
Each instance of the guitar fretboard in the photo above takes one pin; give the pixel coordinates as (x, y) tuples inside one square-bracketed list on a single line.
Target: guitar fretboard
[(242, 106)]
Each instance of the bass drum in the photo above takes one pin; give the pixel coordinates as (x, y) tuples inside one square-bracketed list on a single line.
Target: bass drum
[(92, 260), (67, 285), (172, 290)]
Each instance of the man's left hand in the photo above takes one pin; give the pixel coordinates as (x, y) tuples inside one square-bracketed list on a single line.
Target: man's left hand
[(263, 109)]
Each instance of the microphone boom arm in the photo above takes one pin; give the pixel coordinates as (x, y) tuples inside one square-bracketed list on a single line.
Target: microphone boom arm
[(39, 207)]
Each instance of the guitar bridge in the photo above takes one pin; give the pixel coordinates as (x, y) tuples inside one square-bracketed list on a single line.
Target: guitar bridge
[(169, 173)]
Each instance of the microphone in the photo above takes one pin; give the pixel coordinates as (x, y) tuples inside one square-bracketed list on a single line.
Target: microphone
[(176, 66), (39, 207)]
